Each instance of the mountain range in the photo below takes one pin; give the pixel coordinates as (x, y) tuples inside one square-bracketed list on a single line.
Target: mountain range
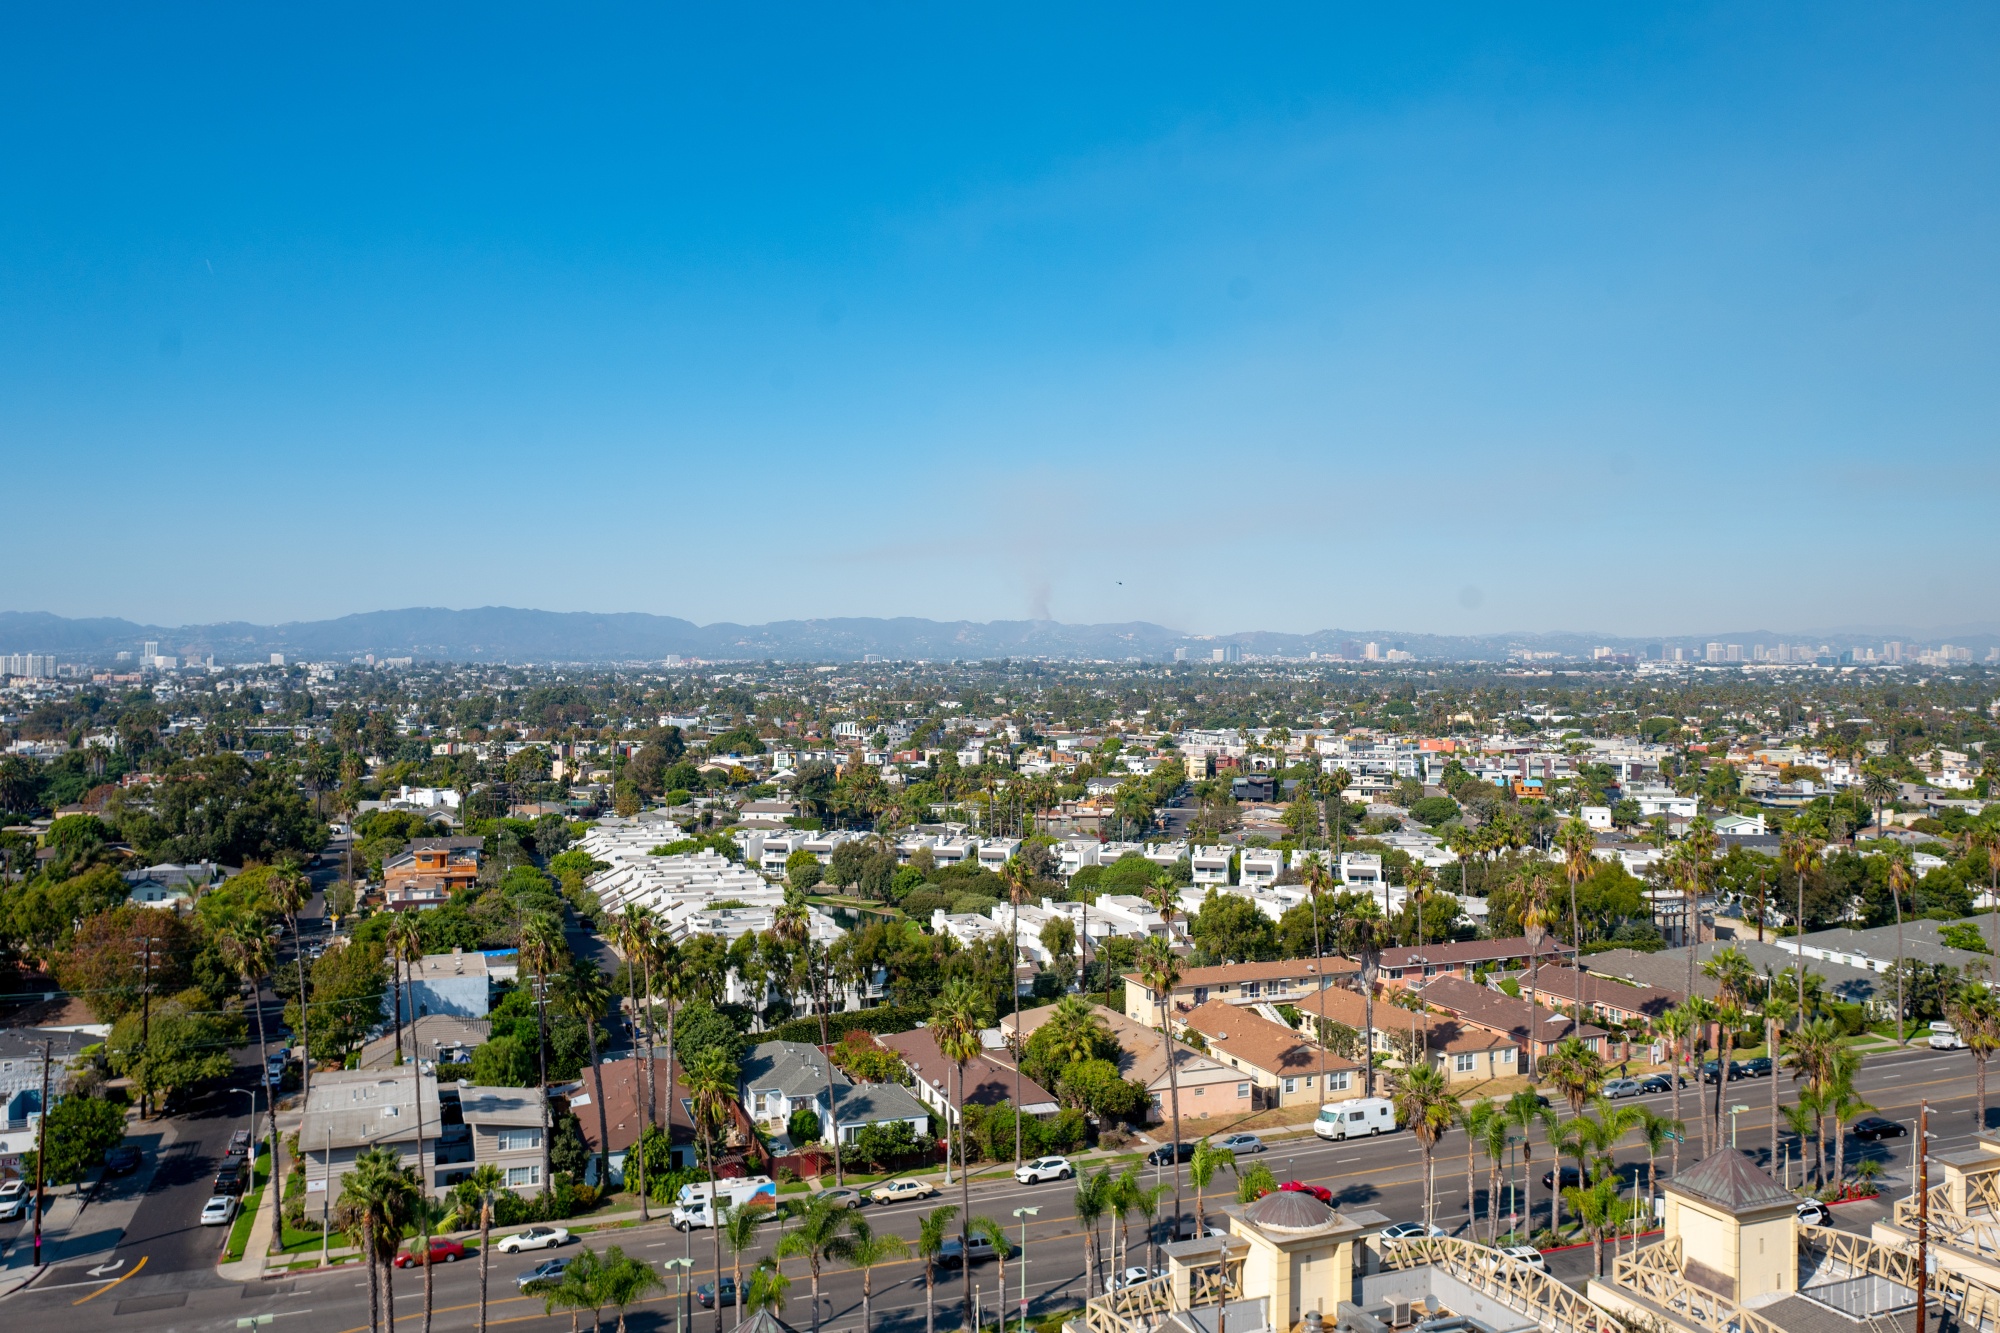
[(510, 634)]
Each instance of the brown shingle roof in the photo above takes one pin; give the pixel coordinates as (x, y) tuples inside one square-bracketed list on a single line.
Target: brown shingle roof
[(1500, 1013), (987, 1082), (1257, 1041), (625, 1103), (1232, 974), (1469, 951)]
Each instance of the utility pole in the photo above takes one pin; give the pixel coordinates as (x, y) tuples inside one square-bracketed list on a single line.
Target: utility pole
[(146, 1023), (42, 1148), (1923, 1207)]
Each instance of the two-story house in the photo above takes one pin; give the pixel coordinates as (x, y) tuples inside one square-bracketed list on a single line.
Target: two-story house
[(1284, 982)]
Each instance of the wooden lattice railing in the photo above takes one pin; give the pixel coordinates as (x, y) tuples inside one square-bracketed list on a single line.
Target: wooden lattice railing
[(1977, 1233), (1654, 1275), (1133, 1309), (1530, 1291)]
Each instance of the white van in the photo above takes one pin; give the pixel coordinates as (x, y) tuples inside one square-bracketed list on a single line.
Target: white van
[(1355, 1119), (1944, 1037)]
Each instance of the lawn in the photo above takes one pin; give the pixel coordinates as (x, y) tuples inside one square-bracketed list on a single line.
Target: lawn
[(239, 1231)]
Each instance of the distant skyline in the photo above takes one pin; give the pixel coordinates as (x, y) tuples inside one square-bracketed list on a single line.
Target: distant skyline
[(1631, 322)]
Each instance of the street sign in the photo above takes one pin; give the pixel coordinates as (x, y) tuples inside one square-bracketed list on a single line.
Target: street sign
[(1677, 1138)]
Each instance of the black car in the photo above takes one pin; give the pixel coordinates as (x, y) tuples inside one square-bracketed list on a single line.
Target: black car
[(1872, 1127), (1761, 1067), (1168, 1153), (705, 1293), (121, 1160), (1713, 1070), (228, 1181), (1570, 1177), (1660, 1083)]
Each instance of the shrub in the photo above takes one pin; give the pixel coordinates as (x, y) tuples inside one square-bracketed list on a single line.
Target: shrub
[(803, 1127)]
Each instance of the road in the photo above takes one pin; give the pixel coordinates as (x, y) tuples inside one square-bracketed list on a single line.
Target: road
[(1386, 1175)]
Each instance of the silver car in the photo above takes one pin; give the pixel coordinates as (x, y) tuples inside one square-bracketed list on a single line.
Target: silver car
[(1622, 1087)]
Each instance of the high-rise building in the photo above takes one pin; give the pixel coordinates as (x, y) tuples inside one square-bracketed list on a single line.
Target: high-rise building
[(1732, 652), (1713, 652), (1371, 652)]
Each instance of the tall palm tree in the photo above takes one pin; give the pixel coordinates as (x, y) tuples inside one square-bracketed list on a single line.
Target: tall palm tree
[(1016, 876), (1975, 1014), (290, 890), (580, 1287), (1093, 1198), (1656, 1129), (1160, 970), (1777, 1013), (956, 1021), (1802, 1119), (1425, 1105), (739, 1233), (1734, 979), (1577, 843), (248, 953), (1677, 1026), (669, 983), (479, 1189), (1318, 880), (1473, 1118), (815, 1239), (1202, 1166), (1901, 880), (931, 1232), (585, 996), (634, 930), (1596, 1206), (1489, 1130), (712, 1083), (543, 953), (1878, 789), (813, 973), (865, 1248), (1534, 928), (768, 1285), (1524, 1111), (378, 1196), (406, 947), (1800, 849), (1575, 1071), (1363, 939)]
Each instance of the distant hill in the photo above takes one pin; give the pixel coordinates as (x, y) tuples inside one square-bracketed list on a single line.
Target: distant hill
[(509, 634)]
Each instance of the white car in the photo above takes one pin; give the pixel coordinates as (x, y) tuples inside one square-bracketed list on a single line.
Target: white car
[(1944, 1037), (1133, 1276), (1814, 1213), (1044, 1168), (13, 1200), (1410, 1231), (534, 1238), (219, 1211), (898, 1190), (1528, 1255)]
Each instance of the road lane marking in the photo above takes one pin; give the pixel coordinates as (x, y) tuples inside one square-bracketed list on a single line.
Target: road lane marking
[(113, 1282)]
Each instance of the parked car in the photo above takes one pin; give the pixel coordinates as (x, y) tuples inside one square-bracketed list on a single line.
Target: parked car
[(1242, 1143), (228, 1181), (1528, 1255), (548, 1270), (1410, 1230), (706, 1293), (1660, 1082), (443, 1251), (1759, 1068), (219, 1211), (13, 1200), (979, 1246), (239, 1144), (896, 1191), (1570, 1176), (840, 1197), (1320, 1192), (1944, 1037), (1623, 1087), (534, 1238), (1869, 1128), (1711, 1071), (1044, 1168), (1133, 1276), (1169, 1153), (1814, 1213)]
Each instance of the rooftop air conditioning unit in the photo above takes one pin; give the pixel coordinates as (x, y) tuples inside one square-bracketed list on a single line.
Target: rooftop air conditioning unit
[(1400, 1315)]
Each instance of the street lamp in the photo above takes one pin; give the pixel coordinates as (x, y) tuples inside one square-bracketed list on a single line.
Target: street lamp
[(1024, 1214), (1735, 1111), (679, 1268)]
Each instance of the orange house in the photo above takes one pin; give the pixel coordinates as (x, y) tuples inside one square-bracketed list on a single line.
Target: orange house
[(428, 871)]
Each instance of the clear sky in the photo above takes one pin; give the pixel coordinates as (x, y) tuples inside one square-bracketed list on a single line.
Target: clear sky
[(1640, 318)]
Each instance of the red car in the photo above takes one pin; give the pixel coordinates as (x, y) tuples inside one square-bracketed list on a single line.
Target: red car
[(442, 1252), (1320, 1192)]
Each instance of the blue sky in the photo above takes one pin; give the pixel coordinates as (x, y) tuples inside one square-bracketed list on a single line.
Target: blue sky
[(1644, 319)]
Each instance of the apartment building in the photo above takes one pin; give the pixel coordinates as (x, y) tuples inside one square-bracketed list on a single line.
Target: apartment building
[(1284, 982)]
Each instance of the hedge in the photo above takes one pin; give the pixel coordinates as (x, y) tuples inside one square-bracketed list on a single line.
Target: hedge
[(887, 1018)]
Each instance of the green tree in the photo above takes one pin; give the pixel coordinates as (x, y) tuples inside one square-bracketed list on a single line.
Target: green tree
[(866, 1249), (626, 1280), (815, 1239), (183, 1044), (739, 1233), (79, 1130), (931, 1233), (476, 1194), (503, 1063), (1425, 1106), (1232, 929)]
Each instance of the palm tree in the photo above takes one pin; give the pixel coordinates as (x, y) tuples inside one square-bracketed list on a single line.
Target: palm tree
[(1575, 1071), (1424, 1103), (1777, 1013), (543, 951), (1800, 849), (955, 1024), (931, 1232), (1701, 1013), (581, 1287), (1124, 1200), (1577, 843), (634, 930), (406, 947), (478, 1191), (290, 890), (1524, 1110), (1160, 969), (1534, 927), (863, 1248), (1900, 882), (626, 1280), (378, 1196), (768, 1285), (1802, 1119), (712, 1083), (1318, 880), (248, 954), (1843, 1107), (1362, 940), (669, 984), (1734, 978), (813, 973), (1975, 1014), (1878, 790), (1202, 1166), (739, 1233), (815, 1239), (1656, 1129), (584, 995), (1591, 1141), (1488, 1129), (1598, 1208), (1677, 1026)]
